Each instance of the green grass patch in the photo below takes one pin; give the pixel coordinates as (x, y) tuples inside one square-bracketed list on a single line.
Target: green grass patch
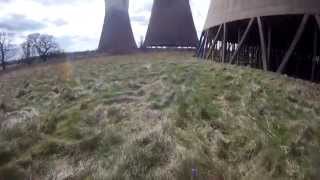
[(159, 116)]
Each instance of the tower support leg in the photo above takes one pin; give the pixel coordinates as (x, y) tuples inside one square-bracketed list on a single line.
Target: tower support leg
[(244, 36), (262, 44), (294, 43), (200, 44), (224, 43), (206, 37), (215, 39), (315, 52), (269, 45)]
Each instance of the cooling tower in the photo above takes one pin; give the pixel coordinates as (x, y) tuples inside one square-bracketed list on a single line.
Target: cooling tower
[(274, 35), (117, 36), (222, 11), (171, 24)]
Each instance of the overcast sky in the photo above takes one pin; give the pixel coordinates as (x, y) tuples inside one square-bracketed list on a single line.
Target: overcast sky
[(77, 24)]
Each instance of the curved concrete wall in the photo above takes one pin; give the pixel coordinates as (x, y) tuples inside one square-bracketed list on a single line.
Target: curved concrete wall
[(222, 11), (117, 35), (171, 24), (117, 4)]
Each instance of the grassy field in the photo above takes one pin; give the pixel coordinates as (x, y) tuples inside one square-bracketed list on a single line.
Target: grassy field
[(157, 116)]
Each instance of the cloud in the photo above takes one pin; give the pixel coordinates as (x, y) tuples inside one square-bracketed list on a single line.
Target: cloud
[(19, 23), (58, 22), (147, 6), (60, 2), (77, 24), (5, 1), (48, 2), (74, 43), (140, 19)]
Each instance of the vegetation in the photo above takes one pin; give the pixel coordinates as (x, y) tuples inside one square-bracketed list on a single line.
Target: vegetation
[(6, 48), (41, 45), (157, 116)]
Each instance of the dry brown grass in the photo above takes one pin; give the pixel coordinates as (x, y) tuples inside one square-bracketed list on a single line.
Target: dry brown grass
[(157, 116)]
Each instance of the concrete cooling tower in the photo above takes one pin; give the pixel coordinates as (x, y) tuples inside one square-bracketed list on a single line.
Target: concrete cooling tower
[(275, 35), (171, 24), (117, 36)]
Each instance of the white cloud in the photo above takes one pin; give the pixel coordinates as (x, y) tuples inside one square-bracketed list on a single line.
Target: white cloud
[(78, 23)]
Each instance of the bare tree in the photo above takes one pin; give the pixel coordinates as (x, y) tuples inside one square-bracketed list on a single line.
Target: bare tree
[(47, 46), (5, 48), (28, 48), (42, 45)]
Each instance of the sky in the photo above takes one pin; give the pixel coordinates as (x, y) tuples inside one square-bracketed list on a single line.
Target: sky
[(77, 24)]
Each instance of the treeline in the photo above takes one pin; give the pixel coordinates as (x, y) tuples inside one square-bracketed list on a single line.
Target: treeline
[(35, 46)]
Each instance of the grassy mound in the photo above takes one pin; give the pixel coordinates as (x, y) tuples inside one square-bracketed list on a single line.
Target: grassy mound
[(157, 116)]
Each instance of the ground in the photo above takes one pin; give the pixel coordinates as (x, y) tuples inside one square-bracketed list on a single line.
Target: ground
[(157, 116)]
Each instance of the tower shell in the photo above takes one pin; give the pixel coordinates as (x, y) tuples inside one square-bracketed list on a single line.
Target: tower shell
[(171, 24), (117, 35), (275, 35)]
